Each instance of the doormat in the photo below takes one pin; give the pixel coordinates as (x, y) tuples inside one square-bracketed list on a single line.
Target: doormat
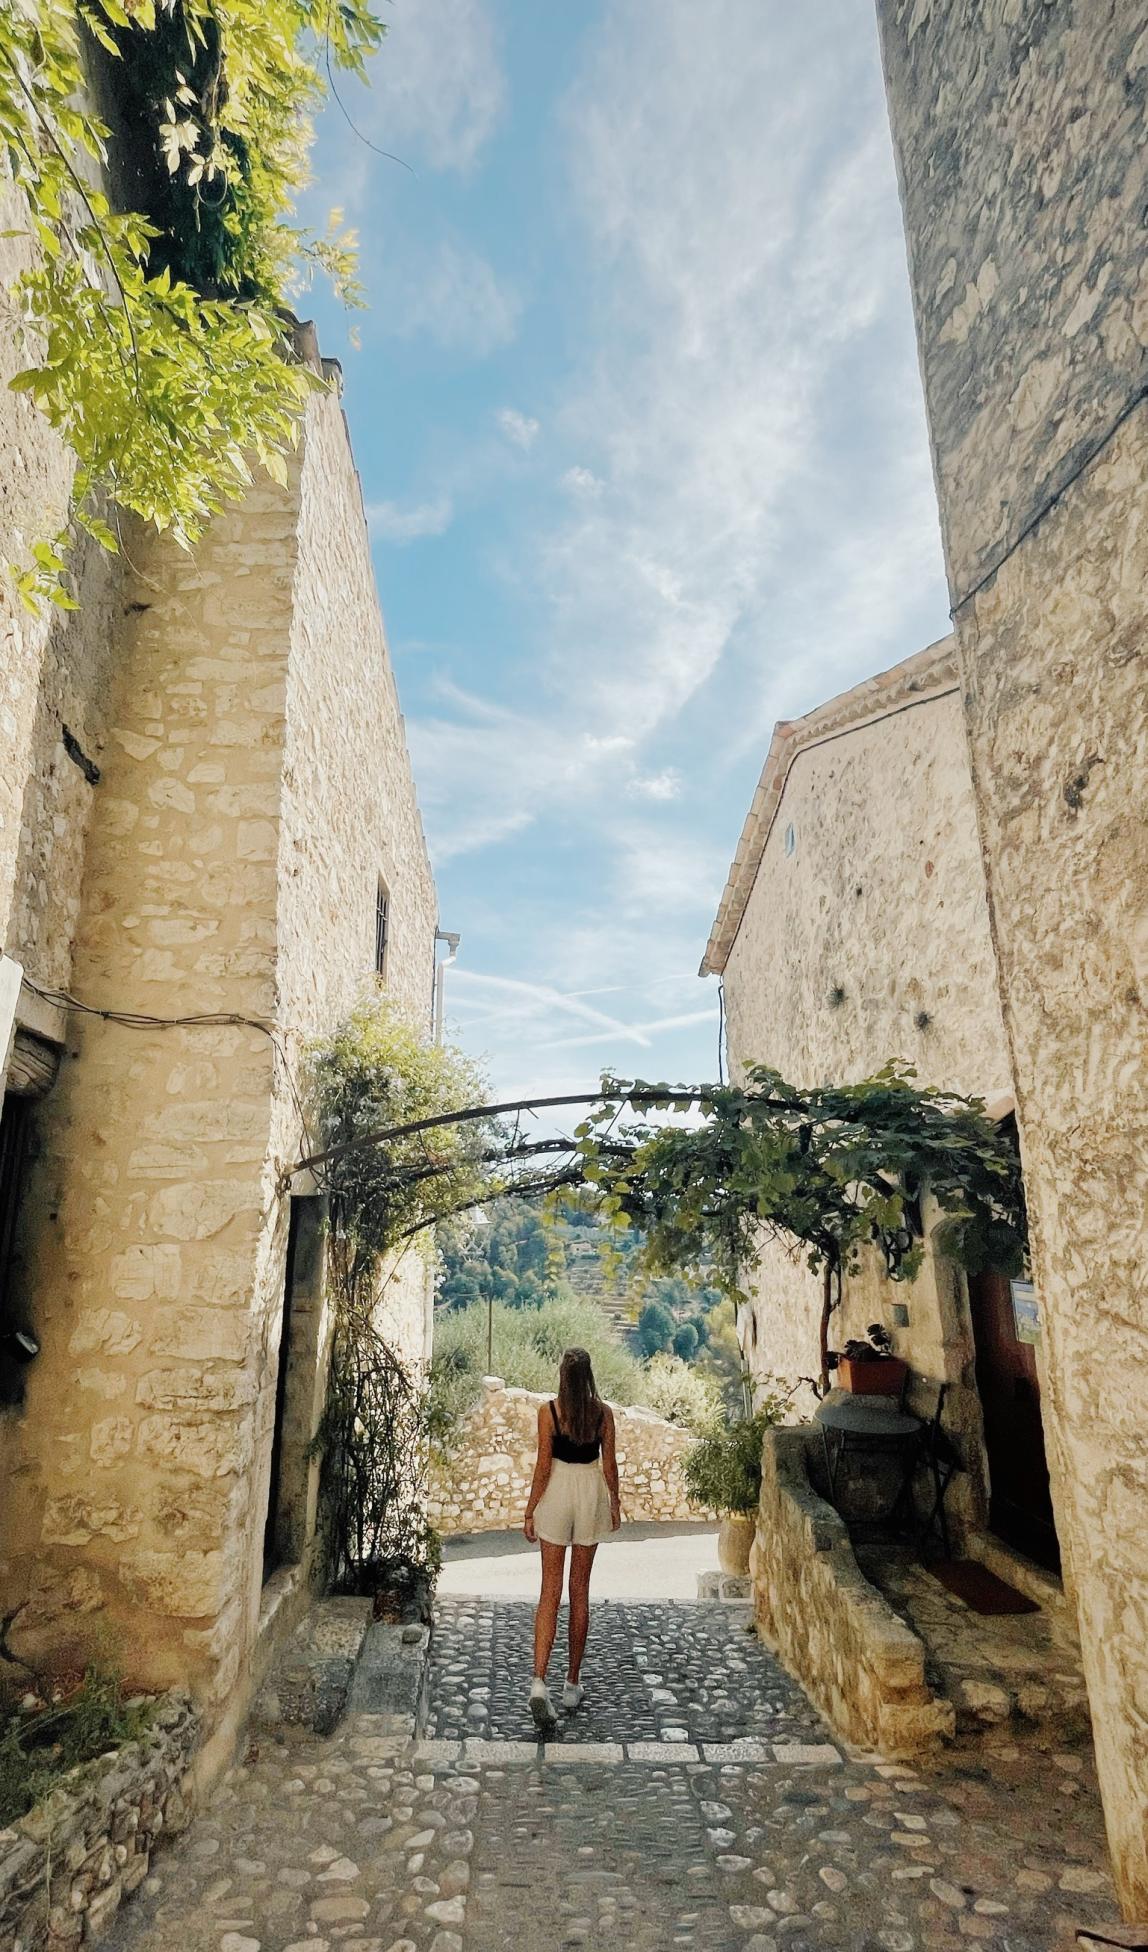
[(981, 1589)]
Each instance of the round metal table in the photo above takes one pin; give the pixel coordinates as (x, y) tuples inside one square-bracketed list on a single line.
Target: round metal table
[(875, 1424)]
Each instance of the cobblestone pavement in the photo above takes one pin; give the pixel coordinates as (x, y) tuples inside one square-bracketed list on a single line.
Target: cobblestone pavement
[(695, 1800)]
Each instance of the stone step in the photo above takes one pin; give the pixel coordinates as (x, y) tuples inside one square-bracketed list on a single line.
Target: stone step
[(309, 1683)]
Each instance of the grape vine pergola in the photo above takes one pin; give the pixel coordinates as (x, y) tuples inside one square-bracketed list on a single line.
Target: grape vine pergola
[(707, 1172)]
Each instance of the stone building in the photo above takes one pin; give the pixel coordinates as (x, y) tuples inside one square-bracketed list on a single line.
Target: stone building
[(854, 930), (209, 831), (1019, 135)]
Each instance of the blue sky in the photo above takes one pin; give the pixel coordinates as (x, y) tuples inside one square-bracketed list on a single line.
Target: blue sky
[(639, 423)]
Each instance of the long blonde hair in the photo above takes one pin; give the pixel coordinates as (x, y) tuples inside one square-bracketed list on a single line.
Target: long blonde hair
[(580, 1408)]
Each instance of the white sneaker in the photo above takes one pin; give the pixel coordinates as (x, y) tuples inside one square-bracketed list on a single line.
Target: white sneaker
[(572, 1696), (541, 1706)]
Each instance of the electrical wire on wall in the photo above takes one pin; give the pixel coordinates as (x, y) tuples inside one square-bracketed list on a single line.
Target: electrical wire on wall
[(721, 1030), (141, 1020)]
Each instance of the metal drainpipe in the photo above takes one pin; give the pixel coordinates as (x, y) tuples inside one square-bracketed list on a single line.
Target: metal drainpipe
[(452, 941)]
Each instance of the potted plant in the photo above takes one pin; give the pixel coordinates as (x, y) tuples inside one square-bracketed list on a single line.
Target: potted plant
[(870, 1368), (723, 1472)]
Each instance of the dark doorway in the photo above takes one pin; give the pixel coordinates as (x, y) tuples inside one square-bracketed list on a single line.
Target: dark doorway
[(1020, 1502), (274, 1554), (291, 1490)]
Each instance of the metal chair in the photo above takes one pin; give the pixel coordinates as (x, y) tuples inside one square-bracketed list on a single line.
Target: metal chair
[(942, 1461)]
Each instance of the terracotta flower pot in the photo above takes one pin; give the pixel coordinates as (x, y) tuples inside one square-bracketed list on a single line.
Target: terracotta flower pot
[(883, 1376), (735, 1537)]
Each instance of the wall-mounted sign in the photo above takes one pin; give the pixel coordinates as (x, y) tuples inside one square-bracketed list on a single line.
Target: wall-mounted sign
[(1025, 1312)]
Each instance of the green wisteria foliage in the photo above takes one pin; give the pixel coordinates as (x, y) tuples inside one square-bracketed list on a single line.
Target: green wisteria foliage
[(154, 336)]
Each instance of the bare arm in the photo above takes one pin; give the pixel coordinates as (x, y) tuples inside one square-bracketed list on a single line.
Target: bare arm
[(542, 1467), (610, 1467)]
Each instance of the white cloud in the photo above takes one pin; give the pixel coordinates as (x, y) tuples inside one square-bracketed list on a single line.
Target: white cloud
[(637, 1033), (543, 997), (746, 522), (396, 522), (438, 87), (666, 785), (581, 481), (752, 378), (519, 429), (469, 838), (512, 764), (452, 295)]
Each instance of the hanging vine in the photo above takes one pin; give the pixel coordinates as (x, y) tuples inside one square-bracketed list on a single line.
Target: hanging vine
[(153, 329), (376, 1068)]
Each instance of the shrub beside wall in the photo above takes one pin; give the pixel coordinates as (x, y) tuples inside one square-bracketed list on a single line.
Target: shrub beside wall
[(68, 1864)]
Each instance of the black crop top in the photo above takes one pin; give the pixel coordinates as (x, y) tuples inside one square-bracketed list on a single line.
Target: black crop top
[(567, 1451)]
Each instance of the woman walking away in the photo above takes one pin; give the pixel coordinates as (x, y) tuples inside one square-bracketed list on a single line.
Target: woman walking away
[(573, 1502)]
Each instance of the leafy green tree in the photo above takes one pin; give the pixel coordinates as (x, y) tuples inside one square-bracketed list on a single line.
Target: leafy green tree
[(837, 1169), (655, 1328), (722, 1357), (155, 338), (376, 1069), (514, 1257), (685, 1343)]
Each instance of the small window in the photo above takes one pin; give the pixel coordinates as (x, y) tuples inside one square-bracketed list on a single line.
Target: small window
[(790, 839), (382, 927)]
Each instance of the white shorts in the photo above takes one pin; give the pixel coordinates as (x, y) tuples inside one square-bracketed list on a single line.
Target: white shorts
[(574, 1509)]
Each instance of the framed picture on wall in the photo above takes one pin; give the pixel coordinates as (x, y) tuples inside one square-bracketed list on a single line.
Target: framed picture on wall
[(1025, 1311)]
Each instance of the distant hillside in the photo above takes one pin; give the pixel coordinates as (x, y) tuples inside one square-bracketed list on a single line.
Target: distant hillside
[(522, 1256), (607, 1280)]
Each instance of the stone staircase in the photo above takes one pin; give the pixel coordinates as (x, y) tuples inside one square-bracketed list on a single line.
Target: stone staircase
[(995, 1669)]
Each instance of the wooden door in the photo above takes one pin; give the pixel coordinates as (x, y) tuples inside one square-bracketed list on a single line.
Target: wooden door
[(1020, 1502)]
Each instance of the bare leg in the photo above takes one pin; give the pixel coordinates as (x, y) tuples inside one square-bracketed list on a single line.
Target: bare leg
[(581, 1566), (546, 1616)]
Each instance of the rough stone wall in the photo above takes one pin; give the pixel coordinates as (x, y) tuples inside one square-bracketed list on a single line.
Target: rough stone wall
[(67, 1866), (868, 909), (484, 1485), (156, 1242), (864, 1668), (1019, 133), (251, 762), (34, 487), (1024, 177), (54, 672), (336, 838)]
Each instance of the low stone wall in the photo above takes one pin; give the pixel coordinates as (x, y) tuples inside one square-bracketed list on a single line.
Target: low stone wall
[(864, 1668), (483, 1486), (66, 1866)]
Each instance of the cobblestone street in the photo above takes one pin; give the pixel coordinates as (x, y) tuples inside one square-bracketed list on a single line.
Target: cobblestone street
[(696, 1799)]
